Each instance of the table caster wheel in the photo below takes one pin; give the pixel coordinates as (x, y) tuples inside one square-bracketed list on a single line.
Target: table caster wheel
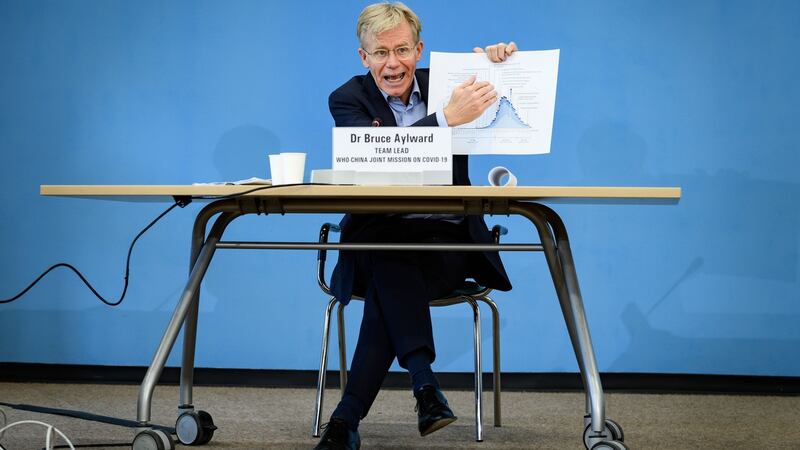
[(610, 445), (616, 430), (194, 428), (611, 432), (153, 440)]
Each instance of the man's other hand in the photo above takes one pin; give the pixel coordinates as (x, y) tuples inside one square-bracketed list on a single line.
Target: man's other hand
[(468, 101), (498, 52)]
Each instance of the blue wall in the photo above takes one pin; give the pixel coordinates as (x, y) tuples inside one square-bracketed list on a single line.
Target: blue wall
[(697, 94)]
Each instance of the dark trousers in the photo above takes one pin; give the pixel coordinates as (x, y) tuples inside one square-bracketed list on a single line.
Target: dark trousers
[(399, 286)]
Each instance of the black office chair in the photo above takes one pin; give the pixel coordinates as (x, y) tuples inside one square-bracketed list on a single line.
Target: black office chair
[(470, 293)]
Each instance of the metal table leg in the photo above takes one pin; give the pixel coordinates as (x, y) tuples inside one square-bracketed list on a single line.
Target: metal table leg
[(190, 324), (562, 270), (571, 278), (186, 302)]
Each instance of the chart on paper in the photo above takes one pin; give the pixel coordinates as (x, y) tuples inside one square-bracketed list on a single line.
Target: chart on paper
[(521, 120)]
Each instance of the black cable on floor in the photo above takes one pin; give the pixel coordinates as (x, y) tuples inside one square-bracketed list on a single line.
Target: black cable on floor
[(84, 416), (121, 444)]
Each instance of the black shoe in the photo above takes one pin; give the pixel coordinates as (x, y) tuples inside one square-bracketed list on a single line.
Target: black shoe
[(338, 436), (432, 410)]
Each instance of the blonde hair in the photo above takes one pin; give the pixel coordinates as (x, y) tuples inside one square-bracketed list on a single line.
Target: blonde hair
[(380, 17)]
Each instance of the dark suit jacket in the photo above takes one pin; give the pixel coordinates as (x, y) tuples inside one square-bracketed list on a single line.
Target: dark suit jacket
[(358, 103)]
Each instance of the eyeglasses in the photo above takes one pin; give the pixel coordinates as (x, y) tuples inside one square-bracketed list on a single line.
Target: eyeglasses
[(380, 55)]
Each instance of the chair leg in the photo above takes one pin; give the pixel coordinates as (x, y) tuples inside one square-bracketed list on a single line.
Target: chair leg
[(495, 357), (323, 369), (476, 324), (342, 349)]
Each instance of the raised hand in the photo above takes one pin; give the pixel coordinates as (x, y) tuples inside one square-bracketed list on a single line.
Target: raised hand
[(498, 52), (468, 101)]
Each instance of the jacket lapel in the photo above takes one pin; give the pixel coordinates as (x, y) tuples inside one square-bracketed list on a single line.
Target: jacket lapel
[(422, 81)]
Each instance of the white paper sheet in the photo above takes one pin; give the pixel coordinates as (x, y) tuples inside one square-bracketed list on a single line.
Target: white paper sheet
[(247, 181), (521, 121)]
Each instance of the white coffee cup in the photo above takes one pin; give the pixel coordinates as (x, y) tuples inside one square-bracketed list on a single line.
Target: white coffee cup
[(276, 169), (294, 164)]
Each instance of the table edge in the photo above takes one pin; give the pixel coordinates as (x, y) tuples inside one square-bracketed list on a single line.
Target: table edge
[(511, 193)]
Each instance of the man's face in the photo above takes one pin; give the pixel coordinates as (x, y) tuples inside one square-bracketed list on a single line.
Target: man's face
[(394, 76)]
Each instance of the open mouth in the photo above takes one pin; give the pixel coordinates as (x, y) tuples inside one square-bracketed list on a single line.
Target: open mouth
[(394, 78)]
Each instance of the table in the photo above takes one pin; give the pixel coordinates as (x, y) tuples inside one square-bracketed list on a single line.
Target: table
[(229, 202)]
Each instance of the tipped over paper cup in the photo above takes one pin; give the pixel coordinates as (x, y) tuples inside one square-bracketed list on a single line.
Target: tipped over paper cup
[(497, 175)]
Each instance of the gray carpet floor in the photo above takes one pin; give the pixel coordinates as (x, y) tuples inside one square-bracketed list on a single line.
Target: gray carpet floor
[(258, 418)]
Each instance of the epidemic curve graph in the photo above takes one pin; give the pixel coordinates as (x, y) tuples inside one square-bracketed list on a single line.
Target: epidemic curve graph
[(506, 116)]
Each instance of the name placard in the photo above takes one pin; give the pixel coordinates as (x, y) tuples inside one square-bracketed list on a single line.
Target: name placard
[(395, 150)]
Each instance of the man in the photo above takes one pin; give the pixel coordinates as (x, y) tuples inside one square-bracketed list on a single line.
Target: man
[(398, 286)]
